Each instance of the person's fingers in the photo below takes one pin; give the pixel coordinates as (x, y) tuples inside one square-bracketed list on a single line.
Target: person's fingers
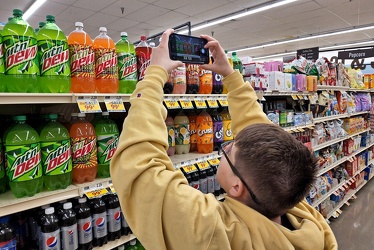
[(165, 37), (207, 67), (208, 38), (177, 64)]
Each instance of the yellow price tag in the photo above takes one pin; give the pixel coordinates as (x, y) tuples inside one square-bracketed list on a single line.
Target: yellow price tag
[(171, 104), (190, 169), (203, 165), (200, 104), (214, 162), (186, 104), (114, 104), (96, 193), (294, 97), (212, 103), (300, 97), (88, 104), (223, 102)]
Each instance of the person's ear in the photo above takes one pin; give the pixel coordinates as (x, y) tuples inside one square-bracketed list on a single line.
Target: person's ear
[(236, 188)]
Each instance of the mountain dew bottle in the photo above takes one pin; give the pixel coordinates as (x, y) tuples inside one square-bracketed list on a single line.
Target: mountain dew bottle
[(22, 152), (127, 69), (20, 50), (53, 52), (2, 63), (2, 170), (107, 141), (56, 155)]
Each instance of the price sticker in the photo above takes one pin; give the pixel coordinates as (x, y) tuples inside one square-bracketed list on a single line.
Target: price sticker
[(294, 97), (114, 104), (186, 103), (203, 165), (200, 103), (110, 187), (212, 103), (171, 104), (223, 102), (306, 97), (214, 162), (190, 169), (96, 193), (300, 97), (88, 104)]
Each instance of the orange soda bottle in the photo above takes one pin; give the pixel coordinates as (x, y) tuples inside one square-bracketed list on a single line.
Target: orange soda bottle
[(105, 63), (206, 81), (204, 126), (82, 61), (193, 136)]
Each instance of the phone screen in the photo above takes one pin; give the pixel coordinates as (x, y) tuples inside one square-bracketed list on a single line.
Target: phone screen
[(188, 49)]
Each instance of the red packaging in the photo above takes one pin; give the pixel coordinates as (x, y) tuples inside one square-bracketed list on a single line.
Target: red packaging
[(143, 55)]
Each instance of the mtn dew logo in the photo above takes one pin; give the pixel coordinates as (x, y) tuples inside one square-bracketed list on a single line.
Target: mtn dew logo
[(107, 146), (84, 150), (82, 60), (54, 57), (20, 53), (127, 67), (106, 63), (23, 162), (56, 157)]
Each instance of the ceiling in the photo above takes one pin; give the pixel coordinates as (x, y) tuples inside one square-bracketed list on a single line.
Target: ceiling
[(148, 17)]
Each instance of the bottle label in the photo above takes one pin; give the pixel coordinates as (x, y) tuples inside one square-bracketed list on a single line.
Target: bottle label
[(51, 241), (193, 135), (192, 74), (84, 152), (106, 64), (106, 147), (205, 77), (179, 76), (124, 222), (171, 136), (2, 168), (82, 60), (69, 237), (56, 157), (182, 134), (227, 133), (99, 225), (203, 187), (84, 230), (217, 186), (2, 66), (205, 133), (20, 55), (127, 67), (8, 245), (54, 58), (218, 131), (210, 184), (114, 219), (143, 56), (23, 162), (217, 79)]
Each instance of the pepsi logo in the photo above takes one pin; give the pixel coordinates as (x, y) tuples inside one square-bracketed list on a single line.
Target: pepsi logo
[(87, 226), (100, 222), (71, 232), (51, 241), (117, 215)]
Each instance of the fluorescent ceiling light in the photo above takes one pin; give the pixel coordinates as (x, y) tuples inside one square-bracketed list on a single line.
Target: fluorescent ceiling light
[(33, 8), (346, 45), (275, 55), (236, 15), (308, 37)]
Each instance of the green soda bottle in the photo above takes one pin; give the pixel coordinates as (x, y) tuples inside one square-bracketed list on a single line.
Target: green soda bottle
[(20, 51), (56, 155), (22, 152), (2, 63), (127, 69), (97, 117), (53, 52), (107, 141), (238, 66), (2, 170)]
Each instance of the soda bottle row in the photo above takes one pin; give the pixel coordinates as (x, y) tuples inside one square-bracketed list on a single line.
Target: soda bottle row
[(77, 224), (53, 155), (203, 132), (131, 245)]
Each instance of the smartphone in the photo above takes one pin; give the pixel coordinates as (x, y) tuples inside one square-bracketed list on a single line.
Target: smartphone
[(188, 49)]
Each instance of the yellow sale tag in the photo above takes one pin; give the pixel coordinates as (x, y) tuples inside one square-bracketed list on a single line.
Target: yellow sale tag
[(212, 103), (223, 102), (171, 104), (214, 162), (190, 169), (186, 104), (203, 165), (294, 97), (300, 97), (114, 104), (88, 104), (96, 193), (200, 104)]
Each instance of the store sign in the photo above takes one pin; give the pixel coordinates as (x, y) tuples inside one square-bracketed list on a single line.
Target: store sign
[(356, 54), (309, 54)]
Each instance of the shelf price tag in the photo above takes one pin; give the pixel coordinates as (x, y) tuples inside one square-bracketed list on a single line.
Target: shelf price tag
[(212, 103), (203, 165), (189, 169), (88, 104), (214, 162), (200, 103), (114, 104), (110, 187), (94, 191), (223, 102), (171, 103), (186, 103), (294, 97), (300, 97)]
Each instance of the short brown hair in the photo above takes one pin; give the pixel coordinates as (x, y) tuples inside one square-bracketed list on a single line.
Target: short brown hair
[(278, 166)]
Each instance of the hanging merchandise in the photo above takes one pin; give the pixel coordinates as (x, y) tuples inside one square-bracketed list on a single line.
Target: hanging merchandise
[(204, 130), (53, 54), (82, 61), (182, 133), (127, 70), (171, 135), (20, 49), (105, 63), (143, 56)]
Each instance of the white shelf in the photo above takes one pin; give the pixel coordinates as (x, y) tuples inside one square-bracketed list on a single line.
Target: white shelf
[(328, 87), (112, 244), (298, 127), (359, 113), (325, 196), (283, 93), (329, 118), (191, 158)]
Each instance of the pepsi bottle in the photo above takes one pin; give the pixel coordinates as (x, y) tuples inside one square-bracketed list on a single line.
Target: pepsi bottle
[(125, 229), (69, 227), (210, 177), (7, 235), (40, 216), (83, 215), (99, 225), (50, 231), (113, 217), (217, 84)]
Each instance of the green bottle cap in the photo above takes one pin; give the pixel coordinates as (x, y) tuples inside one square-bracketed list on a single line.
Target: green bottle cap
[(41, 24), (50, 18), (17, 12), (10, 19), (234, 53), (19, 118), (36, 30), (53, 116)]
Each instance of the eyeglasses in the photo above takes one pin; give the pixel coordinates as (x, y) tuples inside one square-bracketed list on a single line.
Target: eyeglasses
[(222, 151)]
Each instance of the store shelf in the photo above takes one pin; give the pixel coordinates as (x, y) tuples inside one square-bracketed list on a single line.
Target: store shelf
[(328, 87), (116, 243), (359, 113), (191, 158), (283, 93), (329, 118), (325, 196), (359, 90), (296, 128)]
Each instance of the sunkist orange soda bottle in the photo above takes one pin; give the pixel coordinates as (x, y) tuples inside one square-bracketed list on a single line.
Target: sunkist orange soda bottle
[(82, 61), (105, 63)]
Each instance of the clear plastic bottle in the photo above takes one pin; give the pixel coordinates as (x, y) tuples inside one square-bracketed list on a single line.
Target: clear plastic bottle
[(171, 134), (182, 133)]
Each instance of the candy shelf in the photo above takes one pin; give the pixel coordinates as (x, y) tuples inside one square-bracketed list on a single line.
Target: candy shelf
[(112, 244)]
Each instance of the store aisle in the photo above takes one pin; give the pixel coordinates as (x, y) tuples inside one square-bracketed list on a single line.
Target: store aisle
[(355, 226)]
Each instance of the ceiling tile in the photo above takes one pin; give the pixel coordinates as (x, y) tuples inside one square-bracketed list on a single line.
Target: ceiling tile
[(68, 2), (74, 14), (122, 24), (99, 19), (171, 18), (15, 4), (172, 5), (291, 11), (129, 6), (51, 8), (96, 6), (149, 1), (34, 20), (147, 13), (199, 7), (325, 3)]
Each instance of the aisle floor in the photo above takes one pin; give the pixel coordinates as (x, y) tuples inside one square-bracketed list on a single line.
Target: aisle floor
[(354, 228)]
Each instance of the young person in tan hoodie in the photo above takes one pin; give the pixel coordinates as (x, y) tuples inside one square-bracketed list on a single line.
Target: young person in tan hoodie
[(265, 172)]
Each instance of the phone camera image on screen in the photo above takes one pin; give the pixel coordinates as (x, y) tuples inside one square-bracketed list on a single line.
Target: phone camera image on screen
[(188, 49)]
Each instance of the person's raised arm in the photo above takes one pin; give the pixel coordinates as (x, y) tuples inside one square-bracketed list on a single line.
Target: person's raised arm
[(243, 106)]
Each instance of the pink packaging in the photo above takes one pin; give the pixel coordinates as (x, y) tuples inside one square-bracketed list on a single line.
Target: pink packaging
[(300, 82), (273, 66), (253, 68)]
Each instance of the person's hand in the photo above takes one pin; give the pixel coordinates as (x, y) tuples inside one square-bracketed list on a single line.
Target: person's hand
[(160, 54), (220, 65)]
